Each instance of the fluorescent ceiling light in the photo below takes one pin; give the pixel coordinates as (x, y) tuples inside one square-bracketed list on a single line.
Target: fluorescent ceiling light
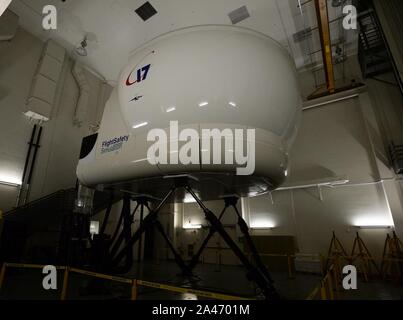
[(12, 184), (262, 228), (192, 226), (232, 104), (3, 5), (171, 109), (10, 180), (375, 227), (203, 104), (262, 225), (374, 220), (139, 125)]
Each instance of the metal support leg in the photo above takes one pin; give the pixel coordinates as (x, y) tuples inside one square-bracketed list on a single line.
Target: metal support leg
[(253, 274), (142, 204), (116, 232), (255, 254), (125, 218), (178, 258), (107, 214), (126, 234), (259, 276), (147, 223), (196, 257)]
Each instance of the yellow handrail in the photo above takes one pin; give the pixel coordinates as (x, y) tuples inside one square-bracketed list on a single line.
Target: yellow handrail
[(199, 293), (326, 286), (134, 283)]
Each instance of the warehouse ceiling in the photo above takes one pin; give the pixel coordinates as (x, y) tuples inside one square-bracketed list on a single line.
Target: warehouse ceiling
[(114, 29)]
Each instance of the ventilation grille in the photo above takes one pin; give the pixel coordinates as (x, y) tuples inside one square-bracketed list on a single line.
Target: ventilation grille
[(239, 15), (146, 11)]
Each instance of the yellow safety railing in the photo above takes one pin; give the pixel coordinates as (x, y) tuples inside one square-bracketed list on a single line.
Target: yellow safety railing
[(366, 270), (199, 293), (134, 283), (327, 289)]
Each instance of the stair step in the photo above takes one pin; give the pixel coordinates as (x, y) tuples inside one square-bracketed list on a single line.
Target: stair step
[(377, 73)]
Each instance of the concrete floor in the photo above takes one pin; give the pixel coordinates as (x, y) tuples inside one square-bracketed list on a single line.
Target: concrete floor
[(27, 284), (210, 277), (375, 290)]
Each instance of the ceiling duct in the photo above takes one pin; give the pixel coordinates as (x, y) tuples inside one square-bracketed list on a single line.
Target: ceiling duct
[(239, 15), (84, 94), (42, 96)]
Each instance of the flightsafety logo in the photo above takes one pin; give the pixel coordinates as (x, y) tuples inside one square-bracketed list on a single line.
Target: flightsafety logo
[(113, 144), (164, 152)]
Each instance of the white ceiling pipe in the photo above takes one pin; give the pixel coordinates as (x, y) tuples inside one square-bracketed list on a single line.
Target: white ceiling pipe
[(321, 184), (82, 103), (341, 96), (329, 102)]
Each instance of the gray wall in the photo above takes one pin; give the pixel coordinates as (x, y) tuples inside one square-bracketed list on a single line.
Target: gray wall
[(18, 62), (61, 140), (342, 140)]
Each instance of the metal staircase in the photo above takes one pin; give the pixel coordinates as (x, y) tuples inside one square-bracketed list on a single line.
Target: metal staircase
[(373, 53), (396, 154)]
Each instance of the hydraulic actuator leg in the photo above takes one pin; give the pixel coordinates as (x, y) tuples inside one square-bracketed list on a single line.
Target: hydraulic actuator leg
[(147, 223), (178, 258), (253, 273), (196, 257)]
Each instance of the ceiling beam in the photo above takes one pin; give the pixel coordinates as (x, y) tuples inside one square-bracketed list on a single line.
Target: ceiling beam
[(324, 34)]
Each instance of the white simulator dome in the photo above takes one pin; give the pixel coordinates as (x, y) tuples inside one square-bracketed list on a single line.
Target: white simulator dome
[(200, 78)]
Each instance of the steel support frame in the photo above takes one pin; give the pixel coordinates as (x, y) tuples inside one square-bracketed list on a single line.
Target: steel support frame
[(125, 236), (232, 202), (256, 273)]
